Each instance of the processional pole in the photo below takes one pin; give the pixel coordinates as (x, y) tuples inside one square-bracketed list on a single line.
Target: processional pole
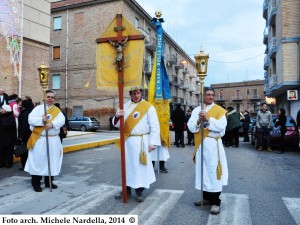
[(43, 75), (201, 64)]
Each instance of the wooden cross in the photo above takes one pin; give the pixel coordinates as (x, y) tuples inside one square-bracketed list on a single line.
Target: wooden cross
[(119, 41)]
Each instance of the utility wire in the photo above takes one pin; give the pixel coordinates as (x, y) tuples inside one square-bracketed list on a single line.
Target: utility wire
[(238, 61)]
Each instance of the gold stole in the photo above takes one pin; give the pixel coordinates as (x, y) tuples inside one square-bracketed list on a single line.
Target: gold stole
[(215, 112), (131, 121), (37, 131)]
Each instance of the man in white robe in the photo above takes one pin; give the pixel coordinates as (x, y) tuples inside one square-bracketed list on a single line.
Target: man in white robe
[(214, 120), (37, 162), (144, 135)]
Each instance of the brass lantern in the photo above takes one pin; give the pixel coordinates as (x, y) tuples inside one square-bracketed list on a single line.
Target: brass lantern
[(43, 75), (201, 63)]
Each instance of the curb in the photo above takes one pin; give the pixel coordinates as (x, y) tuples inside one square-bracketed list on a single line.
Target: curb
[(81, 146)]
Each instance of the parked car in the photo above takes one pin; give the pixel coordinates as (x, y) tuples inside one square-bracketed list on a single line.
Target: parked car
[(84, 123), (291, 137)]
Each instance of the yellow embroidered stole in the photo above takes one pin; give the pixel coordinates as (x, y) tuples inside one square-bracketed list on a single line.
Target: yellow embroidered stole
[(37, 131), (134, 117), (215, 112)]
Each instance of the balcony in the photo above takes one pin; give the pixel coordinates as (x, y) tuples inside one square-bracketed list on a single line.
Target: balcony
[(266, 35), (266, 62), (146, 34), (147, 67), (151, 45), (219, 99), (272, 13), (272, 47), (254, 97), (272, 81), (176, 99), (237, 98), (265, 9)]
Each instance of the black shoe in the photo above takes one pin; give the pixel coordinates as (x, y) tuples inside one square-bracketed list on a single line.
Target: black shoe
[(54, 186), (37, 189), (163, 170), (178, 146), (182, 146), (282, 152), (21, 169), (119, 196), (9, 166), (139, 199)]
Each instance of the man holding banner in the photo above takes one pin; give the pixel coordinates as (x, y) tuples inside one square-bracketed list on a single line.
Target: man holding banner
[(142, 135)]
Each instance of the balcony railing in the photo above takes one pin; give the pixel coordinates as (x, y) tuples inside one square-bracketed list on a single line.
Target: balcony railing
[(272, 10), (272, 46), (237, 98), (254, 97), (272, 80), (219, 98), (266, 35), (266, 62)]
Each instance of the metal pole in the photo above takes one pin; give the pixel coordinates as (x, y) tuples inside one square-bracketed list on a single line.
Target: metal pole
[(47, 144), (202, 136)]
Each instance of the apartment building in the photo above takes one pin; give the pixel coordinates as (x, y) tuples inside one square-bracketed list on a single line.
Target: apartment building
[(246, 95), (33, 41), (75, 26), (282, 60)]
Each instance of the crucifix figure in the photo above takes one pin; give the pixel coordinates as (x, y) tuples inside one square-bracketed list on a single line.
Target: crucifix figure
[(119, 49)]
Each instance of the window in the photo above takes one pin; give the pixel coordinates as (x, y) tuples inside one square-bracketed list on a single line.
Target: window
[(57, 23), (56, 53), (56, 81), (248, 91), (136, 22)]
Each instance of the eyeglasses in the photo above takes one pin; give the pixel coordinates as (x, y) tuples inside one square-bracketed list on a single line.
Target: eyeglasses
[(213, 95), (50, 97)]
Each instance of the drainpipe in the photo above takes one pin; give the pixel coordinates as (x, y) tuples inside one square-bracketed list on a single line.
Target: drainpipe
[(66, 78)]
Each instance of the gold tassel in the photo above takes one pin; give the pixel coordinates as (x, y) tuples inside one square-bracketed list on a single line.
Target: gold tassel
[(219, 170), (143, 158)]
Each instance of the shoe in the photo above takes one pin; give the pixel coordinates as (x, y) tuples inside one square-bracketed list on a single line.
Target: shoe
[(269, 149), (37, 189), (260, 148), (139, 199), (163, 170), (215, 210), (9, 166), (54, 186), (182, 146), (21, 169), (282, 152), (119, 196), (198, 203), (177, 146)]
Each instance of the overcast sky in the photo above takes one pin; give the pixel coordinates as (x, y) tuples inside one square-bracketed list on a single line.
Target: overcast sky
[(230, 31)]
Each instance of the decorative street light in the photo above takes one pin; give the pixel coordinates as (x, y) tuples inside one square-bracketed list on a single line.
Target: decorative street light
[(201, 66)]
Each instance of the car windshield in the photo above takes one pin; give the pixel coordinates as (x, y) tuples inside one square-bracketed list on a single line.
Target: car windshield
[(94, 119)]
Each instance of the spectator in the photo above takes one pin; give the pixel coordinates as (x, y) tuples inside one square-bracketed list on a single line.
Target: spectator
[(3, 98), (190, 135), (8, 136), (298, 118), (280, 120), (64, 129), (232, 128), (178, 119), (24, 131), (246, 123), (263, 123)]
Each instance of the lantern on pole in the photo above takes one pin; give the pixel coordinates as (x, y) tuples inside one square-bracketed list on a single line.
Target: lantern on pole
[(201, 66)]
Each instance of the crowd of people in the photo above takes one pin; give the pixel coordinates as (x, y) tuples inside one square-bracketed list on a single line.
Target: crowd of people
[(37, 126)]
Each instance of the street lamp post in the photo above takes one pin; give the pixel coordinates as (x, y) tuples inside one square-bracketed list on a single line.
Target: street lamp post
[(201, 66)]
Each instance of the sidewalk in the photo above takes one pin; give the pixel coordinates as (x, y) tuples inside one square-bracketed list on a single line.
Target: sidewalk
[(71, 143)]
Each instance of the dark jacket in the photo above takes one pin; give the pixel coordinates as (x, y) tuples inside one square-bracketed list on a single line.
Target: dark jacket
[(178, 118), (8, 129), (24, 131), (246, 122), (298, 118), (4, 100), (280, 120)]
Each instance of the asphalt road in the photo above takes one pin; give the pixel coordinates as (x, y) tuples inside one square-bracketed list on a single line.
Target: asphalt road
[(263, 189)]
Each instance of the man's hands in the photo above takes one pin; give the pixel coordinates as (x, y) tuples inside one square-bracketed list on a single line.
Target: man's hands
[(120, 113), (151, 148), (203, 116)]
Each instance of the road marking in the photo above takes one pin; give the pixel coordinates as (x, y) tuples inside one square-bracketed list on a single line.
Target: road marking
[(235, 210), (157, 206), (86, 202), (293, 205)]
